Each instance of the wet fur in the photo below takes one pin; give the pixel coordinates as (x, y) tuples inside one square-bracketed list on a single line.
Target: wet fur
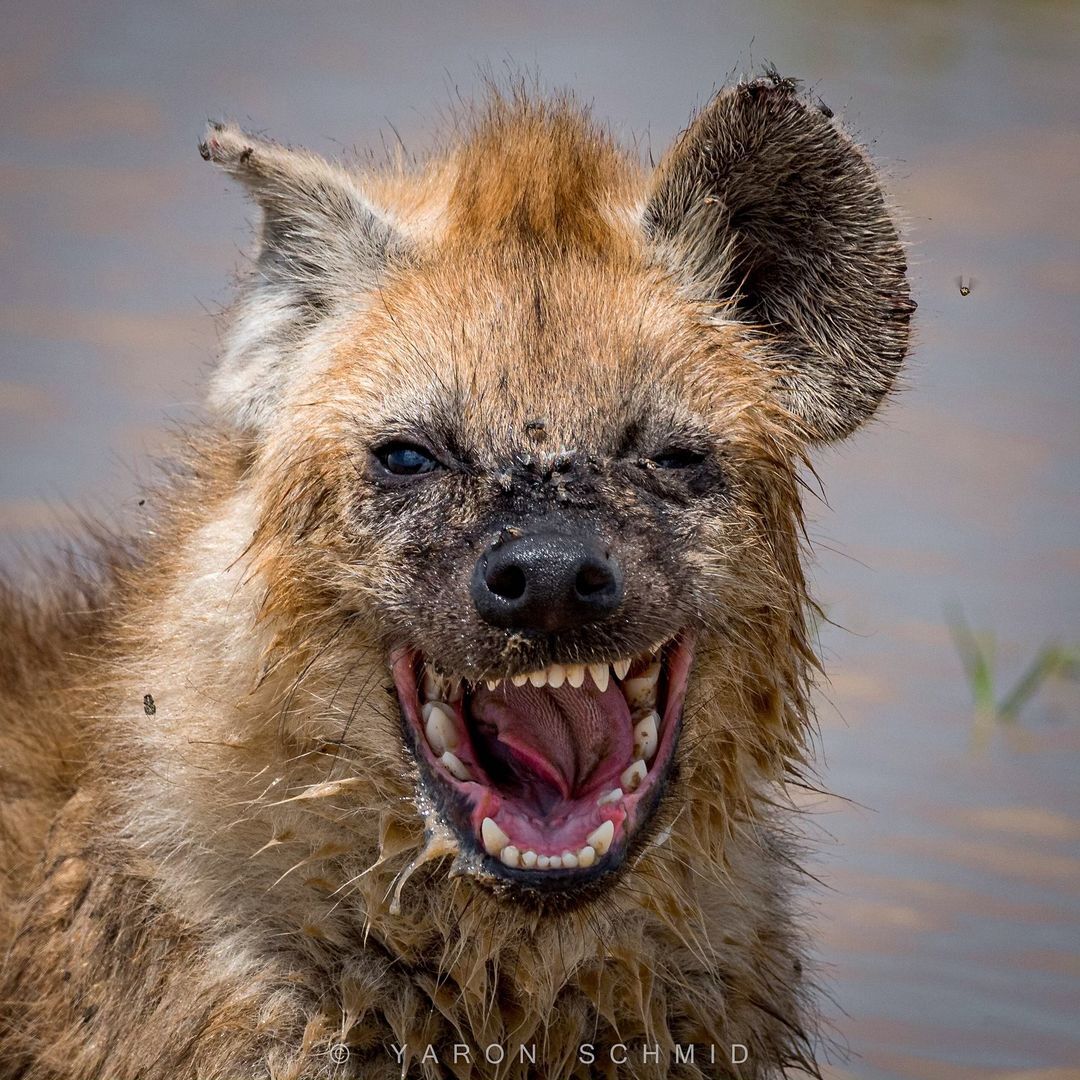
[(208, 891)]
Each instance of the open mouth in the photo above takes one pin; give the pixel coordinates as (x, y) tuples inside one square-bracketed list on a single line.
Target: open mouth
[(547, 775)]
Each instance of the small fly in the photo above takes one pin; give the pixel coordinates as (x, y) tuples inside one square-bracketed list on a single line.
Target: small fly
[(536, 429), (965, 285)]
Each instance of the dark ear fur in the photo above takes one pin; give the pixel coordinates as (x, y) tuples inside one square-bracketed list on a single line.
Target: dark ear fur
[(322, 240), (766, 206)]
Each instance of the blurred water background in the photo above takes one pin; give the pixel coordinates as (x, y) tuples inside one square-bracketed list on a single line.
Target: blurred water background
[(951, 926)]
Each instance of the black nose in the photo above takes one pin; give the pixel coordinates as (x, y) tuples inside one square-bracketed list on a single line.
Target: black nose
[(547, 581)]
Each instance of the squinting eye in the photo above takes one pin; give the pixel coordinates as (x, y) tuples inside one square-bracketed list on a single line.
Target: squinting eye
[(405, 459), (678, 457)]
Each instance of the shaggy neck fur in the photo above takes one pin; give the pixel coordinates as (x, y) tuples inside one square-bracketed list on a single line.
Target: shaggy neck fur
[(297, 880)]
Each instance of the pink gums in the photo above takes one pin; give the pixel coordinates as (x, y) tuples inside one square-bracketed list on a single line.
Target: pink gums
[(555, 752)]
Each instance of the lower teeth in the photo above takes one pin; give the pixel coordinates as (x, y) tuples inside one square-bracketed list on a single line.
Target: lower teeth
[(455, 766), (632, 777), (497, 844)]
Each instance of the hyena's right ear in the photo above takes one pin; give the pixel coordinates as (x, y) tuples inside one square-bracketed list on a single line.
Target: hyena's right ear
[(322, 241)]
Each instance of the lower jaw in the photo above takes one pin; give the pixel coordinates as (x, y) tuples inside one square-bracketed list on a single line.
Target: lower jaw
[(581, 840)]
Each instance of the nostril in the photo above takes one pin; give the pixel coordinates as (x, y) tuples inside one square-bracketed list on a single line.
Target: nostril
[(507, 581), (593, 578), (546, 581)]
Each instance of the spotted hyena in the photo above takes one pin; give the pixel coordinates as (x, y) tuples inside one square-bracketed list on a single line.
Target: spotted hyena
[(444, 712)]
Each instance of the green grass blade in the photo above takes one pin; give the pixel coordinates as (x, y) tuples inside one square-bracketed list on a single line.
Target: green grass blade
[(976, 655), (1051, 660)]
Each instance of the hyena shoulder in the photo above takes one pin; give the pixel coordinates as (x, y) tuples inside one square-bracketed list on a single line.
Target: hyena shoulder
[(43, 640)]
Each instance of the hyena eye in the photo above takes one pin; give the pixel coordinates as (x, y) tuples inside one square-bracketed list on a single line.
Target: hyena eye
[(405, 459), (678, 457)]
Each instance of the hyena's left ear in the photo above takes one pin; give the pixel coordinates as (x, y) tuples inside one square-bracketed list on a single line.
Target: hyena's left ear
[(322, 242), (767, 208)]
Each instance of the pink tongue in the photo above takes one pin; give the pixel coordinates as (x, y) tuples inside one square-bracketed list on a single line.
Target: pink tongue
[(567, 739)]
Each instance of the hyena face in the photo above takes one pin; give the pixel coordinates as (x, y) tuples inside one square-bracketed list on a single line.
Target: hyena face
[(528, 422), (541, 515)]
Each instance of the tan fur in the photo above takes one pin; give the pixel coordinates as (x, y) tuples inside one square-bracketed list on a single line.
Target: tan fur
[(233, 884)]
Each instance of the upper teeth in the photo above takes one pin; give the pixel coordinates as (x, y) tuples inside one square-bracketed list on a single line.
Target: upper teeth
[(554, 675), (600, 673), (640, 691), (440, 687)]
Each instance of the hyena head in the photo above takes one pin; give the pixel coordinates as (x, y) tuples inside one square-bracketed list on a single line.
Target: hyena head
[(524, 428)]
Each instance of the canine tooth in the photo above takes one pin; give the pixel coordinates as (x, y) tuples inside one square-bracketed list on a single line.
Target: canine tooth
[(528, 859), (586, 856), (556, 676), (555, 862), (600, 838), (538, 678), (633, 775), (438, 687), (491, 683), (431, 683), (494, 838), (440, 727), (575, 675), (621, 667), (641, 689), (569, 860), (519, 680), (649, 676), (510, 855), (455, 766), (613, 796), (646, 737), (600, 674), (543, 862)]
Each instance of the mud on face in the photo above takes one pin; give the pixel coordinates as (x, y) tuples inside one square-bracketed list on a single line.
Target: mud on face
[(541, 544)]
